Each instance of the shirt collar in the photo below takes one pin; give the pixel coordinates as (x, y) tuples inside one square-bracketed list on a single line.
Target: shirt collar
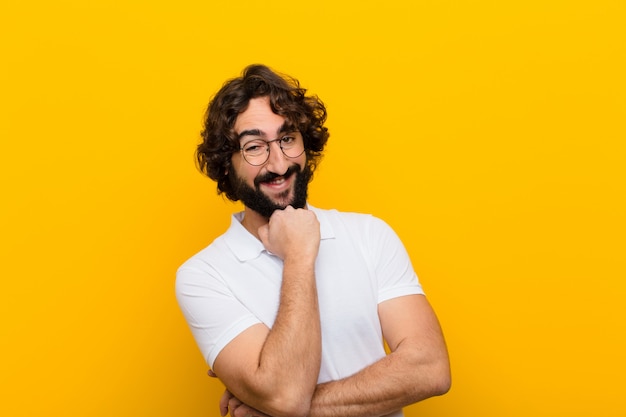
[(247, 247)]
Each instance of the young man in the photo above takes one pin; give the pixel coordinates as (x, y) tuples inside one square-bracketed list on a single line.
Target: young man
[(291, 305)]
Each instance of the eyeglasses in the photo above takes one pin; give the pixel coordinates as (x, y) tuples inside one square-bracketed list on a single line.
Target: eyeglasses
[(257, 151)]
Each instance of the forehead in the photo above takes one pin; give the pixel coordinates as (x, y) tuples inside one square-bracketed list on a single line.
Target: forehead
[(259, 116)]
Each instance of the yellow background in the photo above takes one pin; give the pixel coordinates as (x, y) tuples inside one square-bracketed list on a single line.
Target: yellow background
[(489, 134)]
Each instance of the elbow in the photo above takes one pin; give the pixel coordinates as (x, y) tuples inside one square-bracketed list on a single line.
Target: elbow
[(298, 410), (441, 385), (441, 380), (291, 401), (432, 380), (290, 407)]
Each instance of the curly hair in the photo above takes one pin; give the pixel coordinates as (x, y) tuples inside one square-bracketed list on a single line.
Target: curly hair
[(219, 141)]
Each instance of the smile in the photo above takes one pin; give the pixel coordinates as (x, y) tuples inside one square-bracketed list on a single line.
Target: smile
[(277, 184), (277, 181)]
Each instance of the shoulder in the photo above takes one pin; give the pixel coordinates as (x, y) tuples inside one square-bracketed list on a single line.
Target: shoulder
[(221, 252), (360, 223), (202, 264)]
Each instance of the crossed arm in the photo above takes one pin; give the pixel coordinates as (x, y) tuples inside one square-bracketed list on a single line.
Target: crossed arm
[(416, 368), (273, 372), (265, 368)]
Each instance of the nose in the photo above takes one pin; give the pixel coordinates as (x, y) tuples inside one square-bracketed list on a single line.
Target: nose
[(277, 161)]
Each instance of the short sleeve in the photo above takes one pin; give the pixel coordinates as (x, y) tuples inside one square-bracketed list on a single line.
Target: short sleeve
[(392, 265), (205, 300)]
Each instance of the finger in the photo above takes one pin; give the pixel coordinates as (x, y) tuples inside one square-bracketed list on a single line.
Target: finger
[(264, 232), (233, 403), (224, 402), (244, 411)]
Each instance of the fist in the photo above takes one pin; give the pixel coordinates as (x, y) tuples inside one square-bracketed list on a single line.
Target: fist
[(292, 232)]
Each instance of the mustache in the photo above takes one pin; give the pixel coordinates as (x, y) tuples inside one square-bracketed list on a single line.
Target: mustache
[(270, 176)]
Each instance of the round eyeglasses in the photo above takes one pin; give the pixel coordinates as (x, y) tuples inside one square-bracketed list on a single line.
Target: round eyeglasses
[(257, 151)]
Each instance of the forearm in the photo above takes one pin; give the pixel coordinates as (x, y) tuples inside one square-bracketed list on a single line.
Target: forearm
[(417, 367), (281, 378), (378, 390), (291, 354), (396, 381), (275, 370)]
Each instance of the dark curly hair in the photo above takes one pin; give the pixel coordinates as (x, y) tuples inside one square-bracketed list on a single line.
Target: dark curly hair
[(219, 141)]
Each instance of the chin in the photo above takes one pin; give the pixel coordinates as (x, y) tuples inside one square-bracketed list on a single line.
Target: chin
[(284, 201)]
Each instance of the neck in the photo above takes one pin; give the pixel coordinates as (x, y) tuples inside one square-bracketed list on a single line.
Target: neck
[(252, 221)]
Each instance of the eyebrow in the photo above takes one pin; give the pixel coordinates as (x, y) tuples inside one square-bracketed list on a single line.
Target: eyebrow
[(256, 132)]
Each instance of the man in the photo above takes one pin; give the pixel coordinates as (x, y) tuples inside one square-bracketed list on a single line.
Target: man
[(291, 305)]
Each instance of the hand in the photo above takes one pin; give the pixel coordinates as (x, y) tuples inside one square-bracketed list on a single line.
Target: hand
[(236, 407), (292, 233)]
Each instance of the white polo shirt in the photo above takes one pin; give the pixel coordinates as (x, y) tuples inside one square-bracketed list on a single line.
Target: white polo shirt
[(234, 283)]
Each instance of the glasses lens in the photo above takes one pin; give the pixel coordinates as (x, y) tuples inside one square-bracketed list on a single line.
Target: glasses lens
[(255, 152), (292, 146)]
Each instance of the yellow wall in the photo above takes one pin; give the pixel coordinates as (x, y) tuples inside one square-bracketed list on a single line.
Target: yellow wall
[(488, 134)]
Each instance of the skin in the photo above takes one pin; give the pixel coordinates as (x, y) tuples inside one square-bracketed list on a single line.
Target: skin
[(256, 364), (265, 370), (258, 117), (417, 368)]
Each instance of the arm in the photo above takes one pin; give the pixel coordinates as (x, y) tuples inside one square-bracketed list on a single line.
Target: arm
[(276, 370), (417, 367)]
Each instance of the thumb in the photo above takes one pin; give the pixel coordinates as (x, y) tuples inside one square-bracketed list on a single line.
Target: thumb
[(264, 234)]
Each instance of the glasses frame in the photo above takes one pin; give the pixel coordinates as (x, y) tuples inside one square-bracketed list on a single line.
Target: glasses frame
[(268, 147)]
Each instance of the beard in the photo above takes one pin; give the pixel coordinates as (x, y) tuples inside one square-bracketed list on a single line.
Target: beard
[(255, 199)]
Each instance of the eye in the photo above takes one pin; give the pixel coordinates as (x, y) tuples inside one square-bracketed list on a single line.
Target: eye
[(254, 147), (287, 140)]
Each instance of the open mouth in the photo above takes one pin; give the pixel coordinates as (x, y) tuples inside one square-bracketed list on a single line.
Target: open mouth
[(274, 180)]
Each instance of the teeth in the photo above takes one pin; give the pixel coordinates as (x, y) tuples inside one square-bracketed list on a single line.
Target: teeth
[(277, 181)]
